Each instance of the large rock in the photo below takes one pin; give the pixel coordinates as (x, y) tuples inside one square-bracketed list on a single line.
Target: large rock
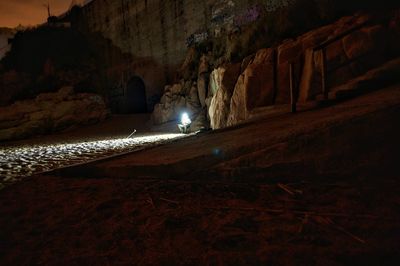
[(254, 88), (224, 79), (50, 112), (172, 103), (289, 52), (199, 121), (367, 46), (310, 84), (364, 48), (164, 113)]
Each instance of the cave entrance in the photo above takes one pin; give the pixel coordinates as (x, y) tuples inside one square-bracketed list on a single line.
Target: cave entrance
[(136, 96)]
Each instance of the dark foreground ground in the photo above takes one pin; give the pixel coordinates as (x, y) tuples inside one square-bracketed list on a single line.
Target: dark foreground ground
[(317, 188)]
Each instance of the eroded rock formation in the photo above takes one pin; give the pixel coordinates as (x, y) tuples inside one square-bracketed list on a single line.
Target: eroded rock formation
[(50, 112), (236, 90)]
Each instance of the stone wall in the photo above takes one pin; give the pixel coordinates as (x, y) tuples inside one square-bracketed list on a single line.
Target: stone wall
[(238, 91), (157, 32)]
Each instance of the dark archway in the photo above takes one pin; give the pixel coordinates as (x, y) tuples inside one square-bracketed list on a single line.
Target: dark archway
[(136, 96)]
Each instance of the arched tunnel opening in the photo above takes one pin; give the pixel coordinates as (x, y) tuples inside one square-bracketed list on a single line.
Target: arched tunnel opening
[(135, 96)]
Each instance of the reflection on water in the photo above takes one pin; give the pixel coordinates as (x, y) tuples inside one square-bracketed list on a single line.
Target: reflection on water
[(21, 161)]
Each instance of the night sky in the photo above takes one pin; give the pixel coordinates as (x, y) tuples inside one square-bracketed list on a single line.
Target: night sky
[(29, 12)]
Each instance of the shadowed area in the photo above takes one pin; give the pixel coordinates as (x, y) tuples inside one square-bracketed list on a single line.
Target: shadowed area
[(320, 188)]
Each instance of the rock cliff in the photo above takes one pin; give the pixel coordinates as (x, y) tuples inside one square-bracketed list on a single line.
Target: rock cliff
[(50, 112), (236, 90)]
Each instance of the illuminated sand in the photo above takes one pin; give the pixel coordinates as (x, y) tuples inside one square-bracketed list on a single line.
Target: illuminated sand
[(19, 161)]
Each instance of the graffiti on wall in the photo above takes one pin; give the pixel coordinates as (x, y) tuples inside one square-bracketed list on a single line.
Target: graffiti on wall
[(249, 16), (225, 19), (196, 38), (222, 12)]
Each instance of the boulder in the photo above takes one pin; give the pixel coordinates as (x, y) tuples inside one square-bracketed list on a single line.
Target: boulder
[(215, 81), (176, 89), (368, 46), (219, 106), (289, 52), (171, 104), (199, 121), (310, 84), (365, 47), (246, 61), (254, 88), (161, 114), (58, 96), (169, 111), (47, 113), (187, 86)]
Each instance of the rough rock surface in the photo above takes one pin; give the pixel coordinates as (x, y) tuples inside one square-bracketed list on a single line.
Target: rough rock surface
[(265, 81), (225, 79), (50, 112), (179, 98), (192, 94), (254, 88), (171, 104)]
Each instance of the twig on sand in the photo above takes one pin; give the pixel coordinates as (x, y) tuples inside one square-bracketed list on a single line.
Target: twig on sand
[(285, 188), (134, 131), (289, 190), (170, 201), (343, 230)]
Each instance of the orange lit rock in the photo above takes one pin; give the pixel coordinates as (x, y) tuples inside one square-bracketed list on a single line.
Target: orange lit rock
[(254, 88), (225, 79), (289, 52)]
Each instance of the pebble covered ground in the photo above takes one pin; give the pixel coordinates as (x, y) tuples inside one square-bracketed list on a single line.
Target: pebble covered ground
[(25, 160)]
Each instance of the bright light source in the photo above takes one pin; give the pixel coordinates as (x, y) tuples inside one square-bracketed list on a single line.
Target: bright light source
[(185, 120), (184, 126)]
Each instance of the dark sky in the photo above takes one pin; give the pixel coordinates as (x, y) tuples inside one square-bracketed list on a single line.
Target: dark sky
[(29, 12)]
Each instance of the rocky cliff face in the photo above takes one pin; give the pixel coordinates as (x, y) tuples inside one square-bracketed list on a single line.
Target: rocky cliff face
[(50, 112), (236, 90), (158, 33)]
